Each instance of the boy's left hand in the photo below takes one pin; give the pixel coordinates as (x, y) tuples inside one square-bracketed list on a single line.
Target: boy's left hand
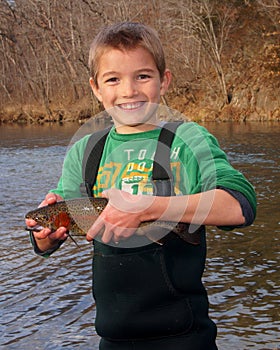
[(121, 217)]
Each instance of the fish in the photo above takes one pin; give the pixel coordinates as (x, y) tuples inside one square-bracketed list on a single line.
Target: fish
[(78, 215)]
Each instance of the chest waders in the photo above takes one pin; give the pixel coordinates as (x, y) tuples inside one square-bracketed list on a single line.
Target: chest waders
[(149, 297)]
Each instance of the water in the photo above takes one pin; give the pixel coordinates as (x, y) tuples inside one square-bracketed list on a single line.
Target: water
[(47, 303)]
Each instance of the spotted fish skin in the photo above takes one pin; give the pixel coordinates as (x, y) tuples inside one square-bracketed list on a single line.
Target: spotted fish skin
[(78, 215)]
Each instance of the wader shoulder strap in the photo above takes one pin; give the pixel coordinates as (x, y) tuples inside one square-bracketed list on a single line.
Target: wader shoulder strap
[(163, 182), (91, 160), (162, 176)]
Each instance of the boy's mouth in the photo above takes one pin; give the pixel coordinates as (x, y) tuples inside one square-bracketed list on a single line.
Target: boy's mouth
[(130, 106)]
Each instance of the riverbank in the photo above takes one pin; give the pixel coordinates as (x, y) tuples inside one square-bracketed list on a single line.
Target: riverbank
[(260, 106)]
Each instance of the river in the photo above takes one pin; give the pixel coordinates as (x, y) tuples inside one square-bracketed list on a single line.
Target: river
[(47, 303)]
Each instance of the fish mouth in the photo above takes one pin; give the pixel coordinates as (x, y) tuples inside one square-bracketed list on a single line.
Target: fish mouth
[(36, 228)]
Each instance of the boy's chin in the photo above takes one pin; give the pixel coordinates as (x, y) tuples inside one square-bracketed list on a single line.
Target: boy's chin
[(134, 127), (135, 123)]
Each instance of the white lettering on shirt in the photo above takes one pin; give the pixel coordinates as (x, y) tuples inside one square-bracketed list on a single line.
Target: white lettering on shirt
[(128, 151), (175, 153), (142, 154)]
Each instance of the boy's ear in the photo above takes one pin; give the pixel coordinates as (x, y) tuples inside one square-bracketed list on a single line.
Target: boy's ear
[(95, 89), (166, 80)]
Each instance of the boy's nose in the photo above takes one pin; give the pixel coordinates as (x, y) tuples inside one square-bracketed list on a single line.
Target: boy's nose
[(128, 88)]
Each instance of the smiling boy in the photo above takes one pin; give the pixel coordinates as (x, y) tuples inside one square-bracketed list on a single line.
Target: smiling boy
[(126, 81), (148, 296)]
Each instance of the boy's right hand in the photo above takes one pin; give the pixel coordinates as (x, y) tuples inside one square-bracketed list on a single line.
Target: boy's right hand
[(46, 239)]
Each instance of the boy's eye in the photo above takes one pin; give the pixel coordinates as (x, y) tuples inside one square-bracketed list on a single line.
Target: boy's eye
[(112, 80), (143, 76)]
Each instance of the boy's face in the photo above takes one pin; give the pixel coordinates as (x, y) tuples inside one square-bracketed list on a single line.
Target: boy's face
[(129, 86)]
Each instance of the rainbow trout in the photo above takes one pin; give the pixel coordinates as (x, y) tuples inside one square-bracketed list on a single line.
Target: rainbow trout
[(78, 215)]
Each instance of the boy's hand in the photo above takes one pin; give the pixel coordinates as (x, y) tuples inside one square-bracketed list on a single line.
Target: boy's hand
[(121, 217), (45, 238)]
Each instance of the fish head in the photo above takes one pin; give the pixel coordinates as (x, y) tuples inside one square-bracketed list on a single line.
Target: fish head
[(40, 216), (46, 217)]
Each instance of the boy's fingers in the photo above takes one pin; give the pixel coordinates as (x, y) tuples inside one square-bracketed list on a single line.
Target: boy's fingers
[(105, 194), (42, 234), (60, 233), (95, 229), (30, 222), (52, 198), (107, 236)]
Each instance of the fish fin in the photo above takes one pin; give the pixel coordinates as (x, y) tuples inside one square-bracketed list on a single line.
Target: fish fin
[(73, 240)]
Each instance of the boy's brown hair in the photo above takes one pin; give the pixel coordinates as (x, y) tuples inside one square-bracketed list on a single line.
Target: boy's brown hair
[(126, 36)]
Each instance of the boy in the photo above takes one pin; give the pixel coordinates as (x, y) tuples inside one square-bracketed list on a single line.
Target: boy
[(148, 296)]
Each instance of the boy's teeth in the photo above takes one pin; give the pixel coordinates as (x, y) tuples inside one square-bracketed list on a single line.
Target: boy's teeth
[(130, 105)]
